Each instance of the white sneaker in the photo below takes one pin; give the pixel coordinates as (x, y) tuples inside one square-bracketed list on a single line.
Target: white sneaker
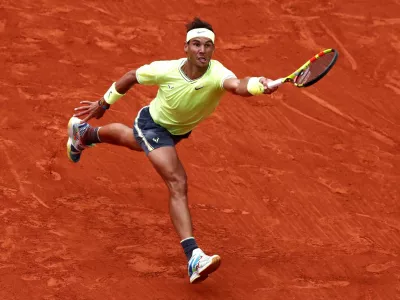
[(75, 144), (201, 265)]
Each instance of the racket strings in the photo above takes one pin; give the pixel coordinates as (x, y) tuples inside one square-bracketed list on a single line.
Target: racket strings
[(315, 69)]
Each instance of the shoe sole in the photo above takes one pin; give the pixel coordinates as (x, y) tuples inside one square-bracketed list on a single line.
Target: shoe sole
[(71, 123), (207, 270), (69, 143)]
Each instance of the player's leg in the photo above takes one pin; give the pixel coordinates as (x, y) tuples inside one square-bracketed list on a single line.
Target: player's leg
[(159, 146), (118, 134), (82, 135), (165, 160)]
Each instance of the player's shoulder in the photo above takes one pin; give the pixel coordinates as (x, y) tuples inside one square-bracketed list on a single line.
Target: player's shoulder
[(217, 66), (219, 70)]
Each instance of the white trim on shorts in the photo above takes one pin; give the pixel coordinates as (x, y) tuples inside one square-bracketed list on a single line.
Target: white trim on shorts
[(149, 147)]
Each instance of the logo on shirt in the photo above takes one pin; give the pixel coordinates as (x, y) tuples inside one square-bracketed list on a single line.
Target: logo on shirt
[(199, 87), (170, 86)]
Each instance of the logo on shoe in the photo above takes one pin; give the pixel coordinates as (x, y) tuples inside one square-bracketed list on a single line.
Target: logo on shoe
[(198, 264)]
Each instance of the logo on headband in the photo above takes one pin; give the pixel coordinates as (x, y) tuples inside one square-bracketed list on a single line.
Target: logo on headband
[(200, 32)]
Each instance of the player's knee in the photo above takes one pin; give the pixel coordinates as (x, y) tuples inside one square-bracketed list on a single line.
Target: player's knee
[(178, 184)]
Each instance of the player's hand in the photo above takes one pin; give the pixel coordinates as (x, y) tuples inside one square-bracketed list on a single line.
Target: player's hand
[(265, 82), (91, 109)]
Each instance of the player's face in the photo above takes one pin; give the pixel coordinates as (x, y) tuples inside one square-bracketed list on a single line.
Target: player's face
[(199, 51)]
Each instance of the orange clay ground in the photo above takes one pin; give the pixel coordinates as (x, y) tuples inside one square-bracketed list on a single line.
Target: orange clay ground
[(298, 192)]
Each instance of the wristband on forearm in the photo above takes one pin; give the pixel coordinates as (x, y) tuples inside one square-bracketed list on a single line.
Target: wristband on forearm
[(255, 87), (112, 96)]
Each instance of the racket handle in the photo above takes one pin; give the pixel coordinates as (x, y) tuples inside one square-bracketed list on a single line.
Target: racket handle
[(275, 83)]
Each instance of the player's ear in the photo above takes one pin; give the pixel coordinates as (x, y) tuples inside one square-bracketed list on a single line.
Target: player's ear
[(186, 47)]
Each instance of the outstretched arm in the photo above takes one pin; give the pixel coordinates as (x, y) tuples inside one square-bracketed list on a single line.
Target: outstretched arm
[(127, 81), (97, 109), (248, 86)]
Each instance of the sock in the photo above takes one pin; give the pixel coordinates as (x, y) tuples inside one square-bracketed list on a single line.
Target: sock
[(92, 135), (188, 246)]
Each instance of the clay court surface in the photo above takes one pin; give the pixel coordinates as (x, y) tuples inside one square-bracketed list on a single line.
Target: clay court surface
[(298, 192)]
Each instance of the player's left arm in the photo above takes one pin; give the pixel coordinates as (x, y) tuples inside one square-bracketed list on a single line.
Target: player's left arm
[(248, 86)]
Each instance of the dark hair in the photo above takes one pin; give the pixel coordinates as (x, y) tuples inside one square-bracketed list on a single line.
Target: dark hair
[(197, 23)]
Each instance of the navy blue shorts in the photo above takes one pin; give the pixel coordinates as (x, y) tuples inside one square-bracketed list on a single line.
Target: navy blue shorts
[(150, 135)]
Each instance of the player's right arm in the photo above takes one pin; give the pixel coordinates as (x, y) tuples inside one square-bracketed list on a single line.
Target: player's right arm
[(97, 109), (147, 74), (126, 82)]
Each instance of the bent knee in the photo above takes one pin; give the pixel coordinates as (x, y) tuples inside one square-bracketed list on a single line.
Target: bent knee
[(177, 183)]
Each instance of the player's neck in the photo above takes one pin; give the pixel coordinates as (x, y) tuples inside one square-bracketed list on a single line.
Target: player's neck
[(192, 71)]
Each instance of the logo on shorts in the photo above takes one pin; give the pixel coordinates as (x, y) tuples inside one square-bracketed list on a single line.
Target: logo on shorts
[(198, 87), (156, 139)]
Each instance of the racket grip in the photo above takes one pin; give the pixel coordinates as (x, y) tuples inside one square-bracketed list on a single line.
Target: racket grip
[(275, 83)]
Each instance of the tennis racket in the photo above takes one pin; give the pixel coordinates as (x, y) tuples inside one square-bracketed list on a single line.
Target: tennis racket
[(312, 71)]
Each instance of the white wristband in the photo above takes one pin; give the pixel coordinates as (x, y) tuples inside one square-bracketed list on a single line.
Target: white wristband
[(255, 87), (112, 96)]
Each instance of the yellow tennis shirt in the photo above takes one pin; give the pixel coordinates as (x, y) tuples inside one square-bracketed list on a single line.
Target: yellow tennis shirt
[(182, 103)]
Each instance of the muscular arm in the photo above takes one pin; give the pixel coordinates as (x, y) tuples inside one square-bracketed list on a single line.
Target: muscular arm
[(239, 86), (97, 108), (126, 82)]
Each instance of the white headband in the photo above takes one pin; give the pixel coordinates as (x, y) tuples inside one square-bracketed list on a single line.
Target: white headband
[(200, 32)]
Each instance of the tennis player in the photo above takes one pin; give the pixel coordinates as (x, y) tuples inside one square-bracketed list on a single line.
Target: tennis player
[(189, 90)]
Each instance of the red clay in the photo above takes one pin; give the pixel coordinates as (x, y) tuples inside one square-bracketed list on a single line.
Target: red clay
[(298, 192)]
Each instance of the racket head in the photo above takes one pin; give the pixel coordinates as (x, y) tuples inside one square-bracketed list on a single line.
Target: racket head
[(314, 69)]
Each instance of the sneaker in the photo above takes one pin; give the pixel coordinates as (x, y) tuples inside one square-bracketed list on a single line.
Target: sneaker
[(75, 144), (201, 265)]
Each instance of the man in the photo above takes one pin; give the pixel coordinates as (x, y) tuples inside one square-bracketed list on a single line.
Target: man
[(189, 91)]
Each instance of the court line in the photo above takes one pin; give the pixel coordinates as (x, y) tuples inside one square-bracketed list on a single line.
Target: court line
[(311, 118)]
